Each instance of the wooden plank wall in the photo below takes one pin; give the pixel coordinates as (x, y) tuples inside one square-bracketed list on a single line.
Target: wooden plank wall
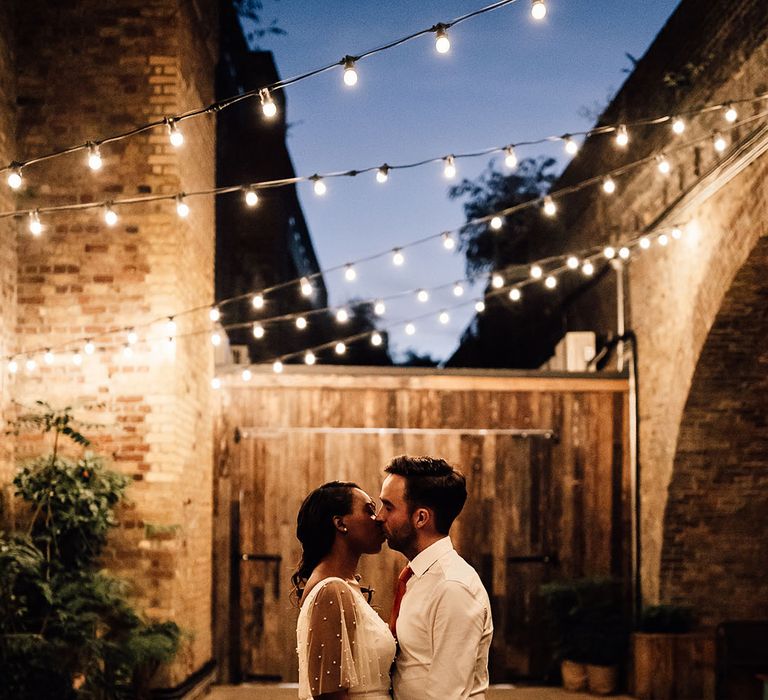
[(282, 435)]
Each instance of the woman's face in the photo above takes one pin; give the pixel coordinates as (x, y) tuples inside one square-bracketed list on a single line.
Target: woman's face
[(364, 533)]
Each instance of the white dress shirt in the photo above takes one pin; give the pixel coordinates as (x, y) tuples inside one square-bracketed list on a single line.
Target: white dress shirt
[(444, 629)]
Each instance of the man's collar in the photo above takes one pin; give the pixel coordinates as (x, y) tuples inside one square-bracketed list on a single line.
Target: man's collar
[(424, 559)]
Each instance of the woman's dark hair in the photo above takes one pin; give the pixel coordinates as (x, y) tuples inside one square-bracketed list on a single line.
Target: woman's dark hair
[(314, 526)]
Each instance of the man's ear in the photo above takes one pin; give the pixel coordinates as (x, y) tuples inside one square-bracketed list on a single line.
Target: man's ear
[(421, 517), (338, 523)]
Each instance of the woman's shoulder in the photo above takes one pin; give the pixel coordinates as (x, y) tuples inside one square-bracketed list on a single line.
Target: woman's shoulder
[(332, 586)]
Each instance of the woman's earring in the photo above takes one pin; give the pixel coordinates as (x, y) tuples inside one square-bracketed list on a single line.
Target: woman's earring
[(344, 528)]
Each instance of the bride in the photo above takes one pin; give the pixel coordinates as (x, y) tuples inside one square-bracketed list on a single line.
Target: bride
[(345, 649)]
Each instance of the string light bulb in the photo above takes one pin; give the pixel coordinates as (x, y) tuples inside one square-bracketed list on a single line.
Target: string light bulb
[(572, 262), (536, 272), (515, 294), (423, 296), (127, 351), (510, 157), (257, 301), (89, 347), (444, 317), (258, 331), (442, 42), (132, 337), (645, 243), (77, 359), (382, 174), (538, 10), (94, 157), (458, 289), (379, 308), (449, 169), (174, 134), (376, 339), (663, 164), (678, 125), (397, 257), (49, 358), (550, 208), (215, 339), (677, 233), (309, 358), (663, 240), (609, 186), (214, 314), (268, 106), (306, 287), (410, 329), (182, 208), (340, 348), (13, 366), (301, 323), (14, 177), (622, 136), (170, 327), (350, 274), (318, 186), (550, 282), (110, 215), (449, 242), (35, 226), (496, 223), (497, 281), (246, 375), (277, 367), (350, 74), (624, 252), (215, 383), (588, 268), (609, 252), (718, 142), (571, 147), (251, 198), (342, 315), (31, 365), (479, 306), (731, 115)]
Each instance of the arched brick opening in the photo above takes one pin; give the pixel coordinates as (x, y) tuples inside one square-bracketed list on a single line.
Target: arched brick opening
[(714, 544)]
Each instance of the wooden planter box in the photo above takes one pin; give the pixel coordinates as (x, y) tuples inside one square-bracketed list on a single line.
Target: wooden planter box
[(673, 666)]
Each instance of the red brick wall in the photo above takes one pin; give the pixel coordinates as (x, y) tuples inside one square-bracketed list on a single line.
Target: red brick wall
[(88, 69), (675, 294)]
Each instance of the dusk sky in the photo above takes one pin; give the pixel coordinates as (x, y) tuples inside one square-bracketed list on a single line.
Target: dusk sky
[(507, 78)]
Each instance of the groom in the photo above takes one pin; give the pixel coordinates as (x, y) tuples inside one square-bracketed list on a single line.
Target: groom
[(441, 616)]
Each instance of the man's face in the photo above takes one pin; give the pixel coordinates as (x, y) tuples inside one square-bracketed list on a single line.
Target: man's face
[(394, 515)]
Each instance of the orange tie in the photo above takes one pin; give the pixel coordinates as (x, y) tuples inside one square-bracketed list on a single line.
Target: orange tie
[(402, 580)]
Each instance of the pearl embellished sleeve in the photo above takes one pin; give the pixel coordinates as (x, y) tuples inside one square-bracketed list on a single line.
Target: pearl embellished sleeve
[(331, 639)]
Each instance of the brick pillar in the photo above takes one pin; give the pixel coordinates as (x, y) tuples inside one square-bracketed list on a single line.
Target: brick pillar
[(87, 69)]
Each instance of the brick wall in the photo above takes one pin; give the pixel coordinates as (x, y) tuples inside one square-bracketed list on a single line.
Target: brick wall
[(717, 52), (7, 231), (87, 69)]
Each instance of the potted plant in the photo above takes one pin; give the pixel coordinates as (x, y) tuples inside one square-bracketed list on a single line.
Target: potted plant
[(586, 620)]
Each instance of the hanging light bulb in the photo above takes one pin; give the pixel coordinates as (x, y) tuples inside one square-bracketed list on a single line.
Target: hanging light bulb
[(480, 306), (449, 170), (215, 339), (127, 351), (174, 134), (257, 301), (663, 240), (422, 295), (340, 348), (13, 366), (319, 185), (376, 339), (550, 282), (397, 257), (214, 314), (379, 308), (132, 337), (677, 233), (609, 252), (571, 147), (350, 74), (77, 359), (442, 42), (342, 316), (624, 253), (410, 329), (258, 331), (48, 358), (309, 358), (550, 208), (268, 106), (510, 157), (382, 174), (731, 115), (663, 164), (444, 317), (301, 323), (350, 274), (277, 367), (306, 287), (35, 227), (110, 215), (678, 125), (89, 347), (449, 242), (572, 262), (458, 289), (182, 208), (645, 243), (94, 157), (496, 223), (14, 177), (609, 186), (718, 142), (536, 272), (170, 327), (31, 365), (588, 268), (538, 9), (497, 281), (622, 136), (251, 198), (515, 294), (246, 375)]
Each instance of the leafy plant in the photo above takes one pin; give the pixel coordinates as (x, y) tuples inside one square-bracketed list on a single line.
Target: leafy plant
[(67, 629)]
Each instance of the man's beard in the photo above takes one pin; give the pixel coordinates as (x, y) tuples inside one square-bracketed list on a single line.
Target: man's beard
[(403, 540)]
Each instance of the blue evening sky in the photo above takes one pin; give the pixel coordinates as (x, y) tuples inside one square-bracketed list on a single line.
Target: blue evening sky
[(507, 78)]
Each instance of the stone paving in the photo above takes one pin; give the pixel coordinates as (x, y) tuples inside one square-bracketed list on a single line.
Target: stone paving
[(288, 691)]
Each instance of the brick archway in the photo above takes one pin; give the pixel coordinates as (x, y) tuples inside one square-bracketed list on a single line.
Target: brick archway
[(717, 507)]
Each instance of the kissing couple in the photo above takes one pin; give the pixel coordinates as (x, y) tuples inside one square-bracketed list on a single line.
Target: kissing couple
[(440, 628)]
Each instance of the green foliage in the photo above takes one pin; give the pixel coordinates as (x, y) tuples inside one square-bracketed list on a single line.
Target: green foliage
[(67, 629), (586, 619), (667, 619)]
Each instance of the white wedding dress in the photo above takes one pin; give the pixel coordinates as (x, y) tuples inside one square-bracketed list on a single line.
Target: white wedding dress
[(342, 643)]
